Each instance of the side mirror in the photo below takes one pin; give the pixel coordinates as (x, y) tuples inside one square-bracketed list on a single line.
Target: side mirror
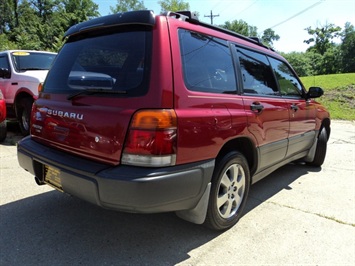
[(314, 92), (5, 73)]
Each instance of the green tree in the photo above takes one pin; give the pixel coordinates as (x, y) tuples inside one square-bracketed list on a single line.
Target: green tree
[(300, 63), (127, 5), (5, 44), (322, 37), (269, 36), (347, 49), (316, 61), (76, 11), (40, 24), (241, 27), (43, 8), (173, 5), (23, 33), (8, 15), (331, 61)]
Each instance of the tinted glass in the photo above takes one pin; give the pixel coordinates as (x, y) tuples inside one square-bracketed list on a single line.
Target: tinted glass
[(24, 61), (116, 61), (257, 74), (207, 63), (288, 83), (4, 63)]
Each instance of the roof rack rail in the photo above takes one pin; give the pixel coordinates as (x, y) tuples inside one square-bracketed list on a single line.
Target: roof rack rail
[(193, 18), (184, 16), (257, 39)]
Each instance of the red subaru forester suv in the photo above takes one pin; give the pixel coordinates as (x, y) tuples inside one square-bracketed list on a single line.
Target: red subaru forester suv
[(157, 113), (3, 128)]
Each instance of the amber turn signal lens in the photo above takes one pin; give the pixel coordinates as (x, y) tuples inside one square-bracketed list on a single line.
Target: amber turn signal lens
[(154, 119), (40, 87)]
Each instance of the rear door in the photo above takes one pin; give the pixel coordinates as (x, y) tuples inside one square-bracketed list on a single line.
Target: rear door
[(267, 111)]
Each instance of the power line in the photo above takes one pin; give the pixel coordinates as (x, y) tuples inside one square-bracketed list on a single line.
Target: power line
[(299, 13), (247, 7), (243, 10)]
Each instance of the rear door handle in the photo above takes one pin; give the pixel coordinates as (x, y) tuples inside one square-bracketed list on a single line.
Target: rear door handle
[(256, 107)]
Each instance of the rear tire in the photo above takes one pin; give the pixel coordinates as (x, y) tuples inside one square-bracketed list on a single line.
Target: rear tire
[(3, 130), (24, 115), (230, 188), (321, 149)]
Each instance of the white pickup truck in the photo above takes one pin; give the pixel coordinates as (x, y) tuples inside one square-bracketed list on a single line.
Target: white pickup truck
[(21, 73)]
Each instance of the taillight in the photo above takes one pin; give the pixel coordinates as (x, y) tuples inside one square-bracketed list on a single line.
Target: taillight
[(151, 140)]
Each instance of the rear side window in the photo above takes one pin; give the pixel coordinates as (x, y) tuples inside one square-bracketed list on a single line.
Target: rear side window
[(207, 63), (111, 62), (257, 74)]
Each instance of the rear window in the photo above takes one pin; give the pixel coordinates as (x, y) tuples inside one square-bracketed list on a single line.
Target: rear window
[(107, 62), (24, 61)]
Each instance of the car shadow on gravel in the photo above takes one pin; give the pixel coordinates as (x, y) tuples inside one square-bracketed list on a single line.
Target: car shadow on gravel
[(54, 228), (277, 181)]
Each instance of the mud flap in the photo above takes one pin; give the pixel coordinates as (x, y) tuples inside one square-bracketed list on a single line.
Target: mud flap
[(197, 215), (312, 152)]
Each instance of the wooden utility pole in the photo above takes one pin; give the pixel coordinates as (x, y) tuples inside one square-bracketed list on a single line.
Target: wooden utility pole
[(211, 16)]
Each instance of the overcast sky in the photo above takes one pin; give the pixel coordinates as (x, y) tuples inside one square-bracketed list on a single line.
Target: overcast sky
[(288, 18)]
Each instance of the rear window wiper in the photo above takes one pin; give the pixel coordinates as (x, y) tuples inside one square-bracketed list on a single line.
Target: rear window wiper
[(94, 91)]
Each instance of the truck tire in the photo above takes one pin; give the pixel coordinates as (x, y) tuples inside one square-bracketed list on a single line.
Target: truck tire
[(24, 115)]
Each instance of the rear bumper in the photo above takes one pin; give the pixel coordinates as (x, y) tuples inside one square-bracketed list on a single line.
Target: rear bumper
[(124, 188)]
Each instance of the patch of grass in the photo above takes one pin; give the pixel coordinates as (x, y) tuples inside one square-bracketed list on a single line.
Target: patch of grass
[(329, 82), (339, 93)]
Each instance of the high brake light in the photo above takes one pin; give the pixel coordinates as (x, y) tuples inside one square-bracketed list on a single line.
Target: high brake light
[(151, 140)]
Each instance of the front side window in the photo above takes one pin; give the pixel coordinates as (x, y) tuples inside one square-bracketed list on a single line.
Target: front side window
[(207, 63), (115, 62), (288, 83), (257, 74), (24, 61)]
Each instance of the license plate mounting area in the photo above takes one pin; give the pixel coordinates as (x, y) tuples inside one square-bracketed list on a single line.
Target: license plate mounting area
[(52, 177)]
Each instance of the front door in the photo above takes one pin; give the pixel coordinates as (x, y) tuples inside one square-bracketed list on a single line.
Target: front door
[(302, 112), (5, 82)]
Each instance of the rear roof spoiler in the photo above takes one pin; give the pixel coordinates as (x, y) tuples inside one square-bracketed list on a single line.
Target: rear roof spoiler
[(142, 17), (147, 17)]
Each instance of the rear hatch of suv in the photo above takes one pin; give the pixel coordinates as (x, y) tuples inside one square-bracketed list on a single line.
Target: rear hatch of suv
[(98, 81)]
